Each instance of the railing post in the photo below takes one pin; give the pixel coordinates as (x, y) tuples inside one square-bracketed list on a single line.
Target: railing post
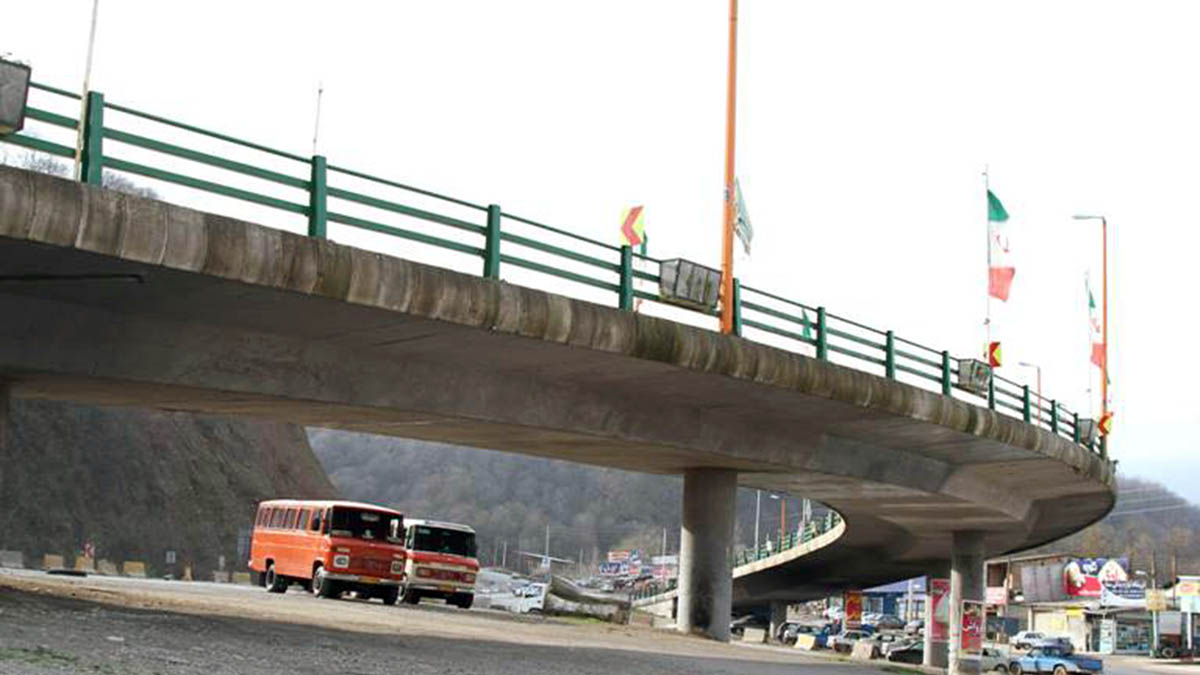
[(945, 373), (1054, 416), (626, 300), (822, 336), (318, 194), (737, 308), (991, 389), (491, 247), (1025, 402), (1076, 428), (889, 359), (91, 167)]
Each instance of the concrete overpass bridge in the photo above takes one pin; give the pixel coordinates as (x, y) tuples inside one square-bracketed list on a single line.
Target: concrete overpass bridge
[(113, 299)]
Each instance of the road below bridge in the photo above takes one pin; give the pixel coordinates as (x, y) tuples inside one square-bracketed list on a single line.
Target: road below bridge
[(100, 625)]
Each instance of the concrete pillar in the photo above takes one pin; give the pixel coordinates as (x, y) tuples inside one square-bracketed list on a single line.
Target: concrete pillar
[(935, 655), (705, 570), (966, 583), (778, 617), (5, 408)]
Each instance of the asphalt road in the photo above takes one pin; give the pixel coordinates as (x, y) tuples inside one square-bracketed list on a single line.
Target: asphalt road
[(57, 625)]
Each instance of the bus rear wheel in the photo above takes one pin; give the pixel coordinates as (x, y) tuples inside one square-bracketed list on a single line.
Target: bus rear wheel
[(462, 600)]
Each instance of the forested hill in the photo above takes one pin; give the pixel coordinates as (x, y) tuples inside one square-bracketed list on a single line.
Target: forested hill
[(512, 498)]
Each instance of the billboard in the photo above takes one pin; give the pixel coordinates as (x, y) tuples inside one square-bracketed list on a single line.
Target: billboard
[(972, 628), (1123, 594), (614, 569), (852, 602), (939, 602), (1085, 577), (997, 595)]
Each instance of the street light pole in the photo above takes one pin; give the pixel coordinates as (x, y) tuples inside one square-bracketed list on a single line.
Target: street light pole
[(757, 514), (1039, 387), (730, 128)]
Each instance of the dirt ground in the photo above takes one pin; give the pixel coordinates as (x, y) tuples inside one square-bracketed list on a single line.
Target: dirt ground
[(98, 625)]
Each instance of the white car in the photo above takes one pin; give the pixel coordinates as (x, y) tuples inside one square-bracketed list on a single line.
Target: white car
[(1026, 639), (522, 600), (844, 642)]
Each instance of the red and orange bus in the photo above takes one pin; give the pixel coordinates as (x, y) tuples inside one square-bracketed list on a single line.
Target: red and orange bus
[(329, 547), (441, 562)]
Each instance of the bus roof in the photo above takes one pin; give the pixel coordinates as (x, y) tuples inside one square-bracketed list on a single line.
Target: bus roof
[(326, 503), (408, 522)]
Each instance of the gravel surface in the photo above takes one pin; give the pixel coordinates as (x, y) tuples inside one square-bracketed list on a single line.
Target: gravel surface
[(55, 625)]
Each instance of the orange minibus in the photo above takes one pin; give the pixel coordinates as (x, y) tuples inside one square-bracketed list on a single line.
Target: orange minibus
[(329, 548)]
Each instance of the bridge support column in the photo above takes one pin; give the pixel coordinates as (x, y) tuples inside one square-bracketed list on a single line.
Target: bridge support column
[(935, 655), (966, 583), (5, 412), (705, 582), (778, 617)]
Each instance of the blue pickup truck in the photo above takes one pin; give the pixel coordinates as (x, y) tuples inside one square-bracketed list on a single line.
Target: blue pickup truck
[(1056, 659)]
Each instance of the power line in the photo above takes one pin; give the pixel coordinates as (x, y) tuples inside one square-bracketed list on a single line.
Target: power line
[(1184, 505)]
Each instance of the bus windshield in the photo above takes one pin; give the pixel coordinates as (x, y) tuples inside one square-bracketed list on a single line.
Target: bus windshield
[(366, 524), (440, 540)]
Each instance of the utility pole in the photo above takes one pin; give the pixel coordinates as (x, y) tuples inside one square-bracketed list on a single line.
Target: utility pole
[(504, 559), (664, 546), (757, 513), (730, 176)]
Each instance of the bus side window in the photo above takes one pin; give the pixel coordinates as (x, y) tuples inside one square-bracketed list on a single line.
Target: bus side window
[(316, 521), (277, 518), (290, 521), (304, 516), (268, 514)]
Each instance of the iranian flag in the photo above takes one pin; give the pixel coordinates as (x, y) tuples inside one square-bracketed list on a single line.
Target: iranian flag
[(1095, 328), (1000, 268)]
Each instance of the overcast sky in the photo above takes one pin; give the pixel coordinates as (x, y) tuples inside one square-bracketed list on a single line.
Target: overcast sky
[(864, 131)]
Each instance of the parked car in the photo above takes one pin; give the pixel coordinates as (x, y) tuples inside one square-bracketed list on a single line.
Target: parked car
[(901, 642), (739, 625), (1026, 638), (1056, 660), (1060, 642), (993, 660), (795, 629), (913, 652), (844, 641), (915, 626), (886, 622), (881, 641)]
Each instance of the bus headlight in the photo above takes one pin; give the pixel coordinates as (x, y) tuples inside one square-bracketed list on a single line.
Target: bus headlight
[(341, 561), (397, 567), (468, 578)]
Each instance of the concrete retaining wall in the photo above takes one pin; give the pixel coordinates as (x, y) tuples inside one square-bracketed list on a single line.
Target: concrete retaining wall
[(14, 559), (51, 561), (106, 567)]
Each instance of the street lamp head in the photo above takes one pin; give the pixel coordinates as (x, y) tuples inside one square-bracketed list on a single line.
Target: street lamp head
[(1086, 216)]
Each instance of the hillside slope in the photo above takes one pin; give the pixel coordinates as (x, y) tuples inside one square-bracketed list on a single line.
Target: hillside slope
[(139, 482)]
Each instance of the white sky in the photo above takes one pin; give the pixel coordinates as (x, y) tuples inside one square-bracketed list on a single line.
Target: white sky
[(864, 128)]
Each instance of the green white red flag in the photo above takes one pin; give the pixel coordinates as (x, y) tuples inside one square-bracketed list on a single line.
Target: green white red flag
[(1000, 267), (1095, 328)]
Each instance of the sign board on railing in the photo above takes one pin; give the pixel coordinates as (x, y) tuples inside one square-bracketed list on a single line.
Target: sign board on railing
[(1087, 430), (683, 282), (973, 375), (14, 93)]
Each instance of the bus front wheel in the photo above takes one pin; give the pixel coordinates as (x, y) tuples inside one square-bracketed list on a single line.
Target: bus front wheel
[(322, 587), (411, 596), (389, 595), (274, 582)]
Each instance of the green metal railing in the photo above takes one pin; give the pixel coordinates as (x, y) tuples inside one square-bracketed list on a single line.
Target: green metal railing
[(321, 195), (811, 531)]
